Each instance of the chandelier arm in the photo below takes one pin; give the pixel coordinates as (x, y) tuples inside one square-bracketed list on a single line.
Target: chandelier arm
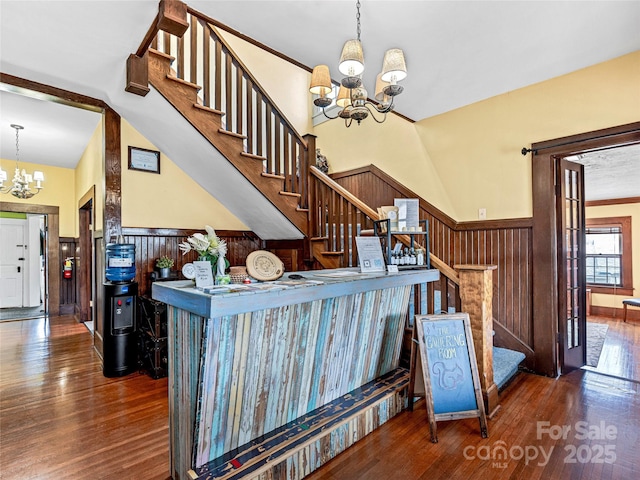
[(372, 110), (330, 118)]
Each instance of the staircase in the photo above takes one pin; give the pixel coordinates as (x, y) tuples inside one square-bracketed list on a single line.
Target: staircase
[(206, 84)]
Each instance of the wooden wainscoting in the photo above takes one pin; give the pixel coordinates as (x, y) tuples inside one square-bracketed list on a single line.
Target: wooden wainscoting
[(152, 243), (505, 243)]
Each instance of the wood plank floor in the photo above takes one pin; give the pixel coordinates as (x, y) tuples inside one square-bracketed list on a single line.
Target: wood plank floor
[(60, 418), (620, 355)]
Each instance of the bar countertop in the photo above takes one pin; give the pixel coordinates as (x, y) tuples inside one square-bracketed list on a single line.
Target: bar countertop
[(314, 285)]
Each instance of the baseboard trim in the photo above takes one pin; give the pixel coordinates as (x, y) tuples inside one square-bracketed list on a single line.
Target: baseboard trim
[(612, 312)]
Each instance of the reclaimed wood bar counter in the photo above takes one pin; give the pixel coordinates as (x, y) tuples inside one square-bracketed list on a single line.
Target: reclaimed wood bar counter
[(278, 381)]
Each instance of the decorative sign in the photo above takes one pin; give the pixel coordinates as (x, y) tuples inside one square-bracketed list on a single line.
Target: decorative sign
[(370, 254), (204, 275), (408, 214), (451, 379), (144, 160)]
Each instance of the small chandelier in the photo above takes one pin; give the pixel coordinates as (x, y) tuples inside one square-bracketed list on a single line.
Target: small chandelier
[(352, 97), (21, 186)]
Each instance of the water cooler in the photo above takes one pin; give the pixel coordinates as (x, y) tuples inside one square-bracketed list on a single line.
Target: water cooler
[(119, 348)]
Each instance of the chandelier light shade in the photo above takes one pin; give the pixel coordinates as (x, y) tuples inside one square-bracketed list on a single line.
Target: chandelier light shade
[(393, 66), (352, 97), (321, 81), (352, 59), (20, 186)]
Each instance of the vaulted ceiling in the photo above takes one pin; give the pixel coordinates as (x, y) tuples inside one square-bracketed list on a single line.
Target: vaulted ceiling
[(457, 52)]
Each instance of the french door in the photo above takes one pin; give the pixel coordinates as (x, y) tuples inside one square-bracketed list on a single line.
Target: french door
[(571, 265)]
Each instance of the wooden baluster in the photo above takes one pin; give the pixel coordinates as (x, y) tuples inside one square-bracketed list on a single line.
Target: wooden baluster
[(180, 58), (166, 42), (269, 147), (239, 119), (346, 232), (249, 101), (353, 212), (193, 53), (289, 171), (276, 147), (206, 65), (259, 124), (217, 85), (229, 88)]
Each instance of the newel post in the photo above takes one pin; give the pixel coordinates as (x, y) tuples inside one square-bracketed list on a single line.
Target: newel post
[(476, 295)]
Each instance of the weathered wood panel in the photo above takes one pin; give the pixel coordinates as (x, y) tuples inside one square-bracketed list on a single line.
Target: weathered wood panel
[(249, 388)]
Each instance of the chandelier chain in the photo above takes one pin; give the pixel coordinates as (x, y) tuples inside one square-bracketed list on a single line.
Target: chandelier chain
[(358, 18), (17, 147)]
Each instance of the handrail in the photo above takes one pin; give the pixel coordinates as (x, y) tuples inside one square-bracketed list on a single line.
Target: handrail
[(255, 82), (343, 192), (205, 59)]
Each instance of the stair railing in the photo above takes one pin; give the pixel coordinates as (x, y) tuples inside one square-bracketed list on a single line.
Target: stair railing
[(339, 216), (204, 58)]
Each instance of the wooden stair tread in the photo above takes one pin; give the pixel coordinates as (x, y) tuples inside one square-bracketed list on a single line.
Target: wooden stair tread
[(290, 194), (317, 239), (208, 109), (253, 156), (340, 252), (197, 88), (162, 54), (231, 134), (272, 175), (300, 209)]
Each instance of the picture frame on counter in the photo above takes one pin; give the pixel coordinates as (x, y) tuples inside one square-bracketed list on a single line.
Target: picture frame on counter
[(144, 160)]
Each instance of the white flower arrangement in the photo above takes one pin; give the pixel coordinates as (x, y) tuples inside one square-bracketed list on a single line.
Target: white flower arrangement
[(209, 246)]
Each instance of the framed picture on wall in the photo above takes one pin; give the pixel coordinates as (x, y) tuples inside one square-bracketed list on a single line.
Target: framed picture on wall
[(144, 160)]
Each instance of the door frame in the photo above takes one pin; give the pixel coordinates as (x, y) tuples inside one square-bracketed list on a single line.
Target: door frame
[(85, 241), (545, 231), (52, 265)]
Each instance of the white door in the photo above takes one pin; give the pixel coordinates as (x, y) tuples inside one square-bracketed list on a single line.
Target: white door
[(11, 262)]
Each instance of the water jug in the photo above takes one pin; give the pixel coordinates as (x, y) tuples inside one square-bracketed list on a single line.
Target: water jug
[(120, 262)]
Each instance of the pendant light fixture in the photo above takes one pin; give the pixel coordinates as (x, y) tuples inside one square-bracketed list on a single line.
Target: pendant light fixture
[(21, 184), (352, 96)]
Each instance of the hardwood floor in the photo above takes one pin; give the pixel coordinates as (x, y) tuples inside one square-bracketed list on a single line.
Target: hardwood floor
[(620, 355), (60, 418)]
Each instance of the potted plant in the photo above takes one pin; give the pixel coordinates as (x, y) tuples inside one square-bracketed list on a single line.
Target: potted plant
[(163, 265)]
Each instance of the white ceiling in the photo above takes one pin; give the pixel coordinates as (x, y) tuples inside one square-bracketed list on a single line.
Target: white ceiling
[(457, 52)]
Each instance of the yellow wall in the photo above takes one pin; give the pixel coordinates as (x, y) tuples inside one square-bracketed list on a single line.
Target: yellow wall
[(286, 84), (476, 149), (58, 191), (470, 158), (393, 146), (89, 173), (169, 200), (624, 210)]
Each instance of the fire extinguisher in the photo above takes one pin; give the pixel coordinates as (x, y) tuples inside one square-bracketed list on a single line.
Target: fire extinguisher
[(67, 269)]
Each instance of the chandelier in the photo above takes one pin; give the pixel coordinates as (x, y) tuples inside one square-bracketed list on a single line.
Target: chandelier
[(21, 186), (352, 96)]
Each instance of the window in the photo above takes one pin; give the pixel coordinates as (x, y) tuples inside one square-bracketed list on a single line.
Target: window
[(608, 255)]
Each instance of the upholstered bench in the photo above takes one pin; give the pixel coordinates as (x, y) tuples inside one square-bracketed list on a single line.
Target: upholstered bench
[(633, 302)]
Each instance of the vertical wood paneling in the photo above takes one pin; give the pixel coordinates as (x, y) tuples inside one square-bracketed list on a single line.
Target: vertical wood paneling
[(510, 248), (151, 244)]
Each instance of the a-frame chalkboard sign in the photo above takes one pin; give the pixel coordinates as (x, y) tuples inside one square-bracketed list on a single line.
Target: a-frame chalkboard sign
[(451, 380)]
